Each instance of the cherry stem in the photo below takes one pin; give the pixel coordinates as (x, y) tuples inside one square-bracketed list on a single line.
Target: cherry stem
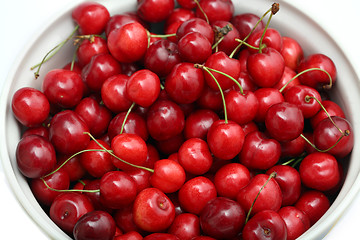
[(73, 60), (217, 83), (220, 34), (202, 11), (272, 175), (70, 190), (126, 117), (90, 37), (163, 35), (247, 44), (294, 161), (309, 70), (274, 10), (112, 154), (347, 132), (52, 53)]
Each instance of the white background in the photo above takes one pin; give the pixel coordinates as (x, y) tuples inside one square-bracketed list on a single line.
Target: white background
[(20, 20)]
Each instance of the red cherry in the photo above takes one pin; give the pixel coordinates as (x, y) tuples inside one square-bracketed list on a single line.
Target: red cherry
[(155, 10), (179, 15), (170, 145), (119, 20), (293, 148), (188, 4), (271, 39), (198, 123), (30, 106), (196, 25), (241, 108), (161, 236), (40, 130), (185, 226), (266, 97), (89, 48), (73, 167), (153, 211), (215, 10), (91, 17), (132, 235), (35, 156), (143, 87), (141, 178), (245, 22), (210, 99), (125, 220), (228, 43), (194, 47), (245, 81), (287, 79), (331, 107), (296, 221), (292, 52)]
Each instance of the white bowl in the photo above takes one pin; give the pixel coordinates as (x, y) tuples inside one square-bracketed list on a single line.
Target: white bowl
[(346, 94)]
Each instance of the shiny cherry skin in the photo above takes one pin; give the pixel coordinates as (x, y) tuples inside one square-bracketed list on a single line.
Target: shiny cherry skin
[(30, 106), (95, 225), (225, 140), (66, 132), (128, 43), (210, 99), (67, 208), (326, 135), (230, 178), (196, 25), (293, 148), (63, 88), (185, 226), (187, 4), (170, 145), (266, 224), (96, 116), (285, 79), (284, 121), (101, 67), (185, 83), (73, 167), (141, 178), (266, 68), (228, 43), (179, 15), (319, 171), (194, 155), (125, 220), (245, 22), (195, 193), (246, 82), (40, 130), (117, 189), (249, 127), (161, 57), (154, 11), (332, 108), (113, 93), (153, 211), (89, 48), (91, 17), (289, 181), (143, 87), (241, 108), (132, 235), (118, 20), (97, 163), (316, 78), (194, 47), (130, 148), (296, 221), (35, 156), (270, 197), (197, 124), (223, 63), (292, 52), (259, 151), (215, 10), (272, 39), (168, 176), (222, 210), (314, 204), (266, 97), (165, 119)]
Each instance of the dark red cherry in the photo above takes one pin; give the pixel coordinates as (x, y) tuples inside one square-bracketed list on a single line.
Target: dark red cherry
[(185, 226), (332, 108), (296, 221), (228, 43), (198, 123), (215, 10), (266, 97), (134, 124), (194, 47), (179, 15), (196, 25), (119, 20), (245, 22), (155, 10)]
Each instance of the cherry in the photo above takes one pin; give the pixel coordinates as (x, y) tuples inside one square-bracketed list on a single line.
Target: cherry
[(266, 224), (155, 10), (89, 47), (185, 226), (185, 83), (30, 106), (198, 123), (161, 236), (225, 140), (72, 167), (332, 108), (195, 193), (287, 80), (194, 47), (66, 132), (161, 57), (143, 87), (59, 180), (196, 25), (246, 82), (249, 127), (91, 17), (266, 68), (270, 196), (271, 39), (214, 10), (125, 221), (165, 119), (119, 20), (195, 157), (95, 225), (97, 163), (130, 148), (293, 148), (153, 211), (128, 43), (187, 4), (289, 181), (67, 208), (319, 171), (63, 88), (230, 178), (259, 151), (35, 156), (243, 56), (141, 178), (314, 204), (40, 131), (327, 135), (225, 211), (117, 189), (296, 221), (132, 235), (292, 52), (245, 23), (91, 190), (170, 145), (168, 176), (179, 15), (266, 97), (73, 66), (171, 29), (316, 79), (226, 42), (210, 99)]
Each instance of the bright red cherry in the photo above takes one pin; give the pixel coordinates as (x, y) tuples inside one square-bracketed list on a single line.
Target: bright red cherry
[(194, 47), (155, 10), (196, 25), (266, 97), (241, 108), (89, 48), (185, 226), (215, 10), (245, 22), (198, 123), (296, 221), (271, 39), (292, 52), (331, 107)]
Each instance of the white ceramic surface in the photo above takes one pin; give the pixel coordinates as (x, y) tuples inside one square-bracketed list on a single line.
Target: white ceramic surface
[(312, 37)]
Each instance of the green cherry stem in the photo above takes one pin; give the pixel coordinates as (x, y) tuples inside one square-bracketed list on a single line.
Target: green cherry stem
[(202, 11), (126, 117), (69, 190), (347, 132), (274, 9)]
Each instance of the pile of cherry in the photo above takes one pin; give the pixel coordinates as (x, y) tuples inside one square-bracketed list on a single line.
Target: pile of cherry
[(219, 128)]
